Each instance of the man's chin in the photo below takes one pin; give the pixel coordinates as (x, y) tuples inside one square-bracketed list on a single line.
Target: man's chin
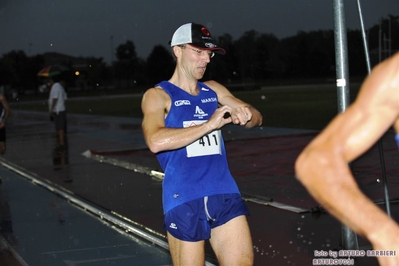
[(201, 74)]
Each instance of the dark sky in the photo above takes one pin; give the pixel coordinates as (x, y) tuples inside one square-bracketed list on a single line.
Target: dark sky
[(85, 27)]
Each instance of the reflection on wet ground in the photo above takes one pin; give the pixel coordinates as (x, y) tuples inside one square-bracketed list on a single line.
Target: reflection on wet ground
[(60, 156), (261, 161), (40, 228)]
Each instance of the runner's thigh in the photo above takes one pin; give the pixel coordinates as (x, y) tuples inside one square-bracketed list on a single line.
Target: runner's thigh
[(186, 253), (232, 242)]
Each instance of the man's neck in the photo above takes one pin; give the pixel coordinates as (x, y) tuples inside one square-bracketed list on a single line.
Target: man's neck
[(190, 86)]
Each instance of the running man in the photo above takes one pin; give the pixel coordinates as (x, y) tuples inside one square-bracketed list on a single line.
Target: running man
[(181, 124), (323, 166)]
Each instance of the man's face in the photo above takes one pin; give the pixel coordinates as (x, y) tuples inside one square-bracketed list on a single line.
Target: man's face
[(194, 60)]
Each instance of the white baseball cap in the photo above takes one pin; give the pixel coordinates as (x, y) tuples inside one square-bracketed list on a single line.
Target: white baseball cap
[(196, 35)]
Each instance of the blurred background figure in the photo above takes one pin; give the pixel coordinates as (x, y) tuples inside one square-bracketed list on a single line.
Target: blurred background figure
[(57, 109), (4, 114)]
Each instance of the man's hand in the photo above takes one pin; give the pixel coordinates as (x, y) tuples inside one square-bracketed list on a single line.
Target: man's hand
[(219, 118), (241, 115)]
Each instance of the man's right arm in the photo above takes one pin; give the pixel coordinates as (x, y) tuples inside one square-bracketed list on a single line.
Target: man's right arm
[(323, 165), (155, 105)]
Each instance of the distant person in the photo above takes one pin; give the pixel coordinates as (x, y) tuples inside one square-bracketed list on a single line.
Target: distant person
[(181, 124), (323, 166), (4, 114), (57, 109)]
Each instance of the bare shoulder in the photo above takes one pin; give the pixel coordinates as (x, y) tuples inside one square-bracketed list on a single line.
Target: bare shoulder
[(156, 93), (381, 87), (155, 98), (220, 89), (214, 85)]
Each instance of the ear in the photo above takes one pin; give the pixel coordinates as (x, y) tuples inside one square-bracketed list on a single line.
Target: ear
[(177, 51)]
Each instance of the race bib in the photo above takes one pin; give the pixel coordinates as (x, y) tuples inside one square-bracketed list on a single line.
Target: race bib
[(208, 144)]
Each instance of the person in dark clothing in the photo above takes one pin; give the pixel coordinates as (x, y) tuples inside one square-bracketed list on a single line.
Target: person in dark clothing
[(4, 114)]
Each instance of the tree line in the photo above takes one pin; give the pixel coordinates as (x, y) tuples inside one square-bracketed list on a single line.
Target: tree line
[(252, 58)]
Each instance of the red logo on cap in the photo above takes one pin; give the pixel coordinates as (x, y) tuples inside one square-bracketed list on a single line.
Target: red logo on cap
[(205, 31)]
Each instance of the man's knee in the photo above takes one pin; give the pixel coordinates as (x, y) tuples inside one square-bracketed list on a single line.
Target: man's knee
[(186, 253)]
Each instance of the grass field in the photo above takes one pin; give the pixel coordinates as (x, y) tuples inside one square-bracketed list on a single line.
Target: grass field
[(304, 107)]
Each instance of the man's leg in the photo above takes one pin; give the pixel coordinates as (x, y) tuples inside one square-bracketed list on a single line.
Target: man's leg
[(186, 253), (232, 242), (61, 137), (60, 122)]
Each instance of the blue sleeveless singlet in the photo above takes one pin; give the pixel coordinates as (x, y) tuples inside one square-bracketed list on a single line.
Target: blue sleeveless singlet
[(199, 169)]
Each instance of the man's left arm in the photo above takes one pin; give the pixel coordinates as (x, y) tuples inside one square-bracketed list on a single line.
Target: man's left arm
[(242, 113), (52, 106), (54, 96)]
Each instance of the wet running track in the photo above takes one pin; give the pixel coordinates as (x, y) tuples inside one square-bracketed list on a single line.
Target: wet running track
[(117, 217)]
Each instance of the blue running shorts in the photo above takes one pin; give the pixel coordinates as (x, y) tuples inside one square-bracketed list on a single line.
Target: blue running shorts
[(193, 221)]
